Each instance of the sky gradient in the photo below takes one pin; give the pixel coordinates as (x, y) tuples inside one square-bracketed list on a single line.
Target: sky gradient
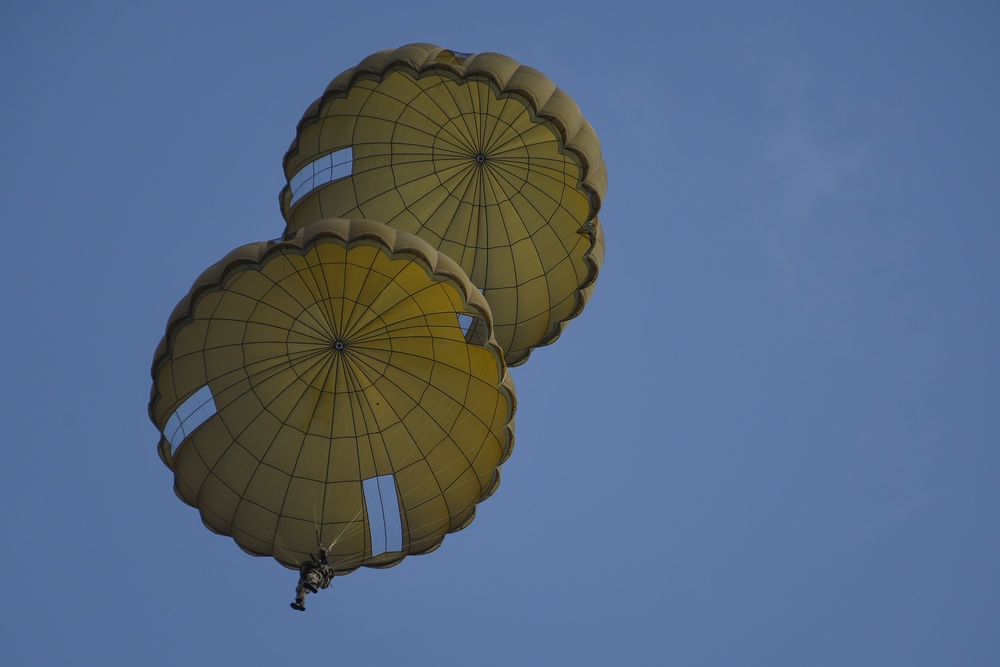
[(771, 438)]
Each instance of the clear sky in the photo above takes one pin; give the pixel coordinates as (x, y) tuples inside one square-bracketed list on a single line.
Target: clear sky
[(771, 438)]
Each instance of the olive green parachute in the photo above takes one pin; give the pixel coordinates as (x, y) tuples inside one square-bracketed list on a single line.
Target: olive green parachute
[(482, 157), (342, 386)]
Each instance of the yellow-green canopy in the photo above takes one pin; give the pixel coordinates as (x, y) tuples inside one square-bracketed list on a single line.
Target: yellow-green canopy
[(342, 386), (482, 157)]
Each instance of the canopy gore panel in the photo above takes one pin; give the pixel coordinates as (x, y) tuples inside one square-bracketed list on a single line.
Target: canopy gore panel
[(384, 523)]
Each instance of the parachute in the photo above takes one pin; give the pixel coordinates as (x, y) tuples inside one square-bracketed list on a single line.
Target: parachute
[(342, 387), (347, 384), (482, 157)]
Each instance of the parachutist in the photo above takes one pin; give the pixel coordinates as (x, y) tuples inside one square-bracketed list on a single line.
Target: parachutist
[(314, 574)]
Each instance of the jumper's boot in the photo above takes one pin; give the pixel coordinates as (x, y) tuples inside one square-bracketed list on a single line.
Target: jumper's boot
[(300, 599)]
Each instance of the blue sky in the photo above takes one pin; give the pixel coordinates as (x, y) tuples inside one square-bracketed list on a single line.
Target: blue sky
[(771, 438)]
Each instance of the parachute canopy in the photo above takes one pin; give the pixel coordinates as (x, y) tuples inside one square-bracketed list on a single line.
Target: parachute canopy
[(483, 158), (342, 386)]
